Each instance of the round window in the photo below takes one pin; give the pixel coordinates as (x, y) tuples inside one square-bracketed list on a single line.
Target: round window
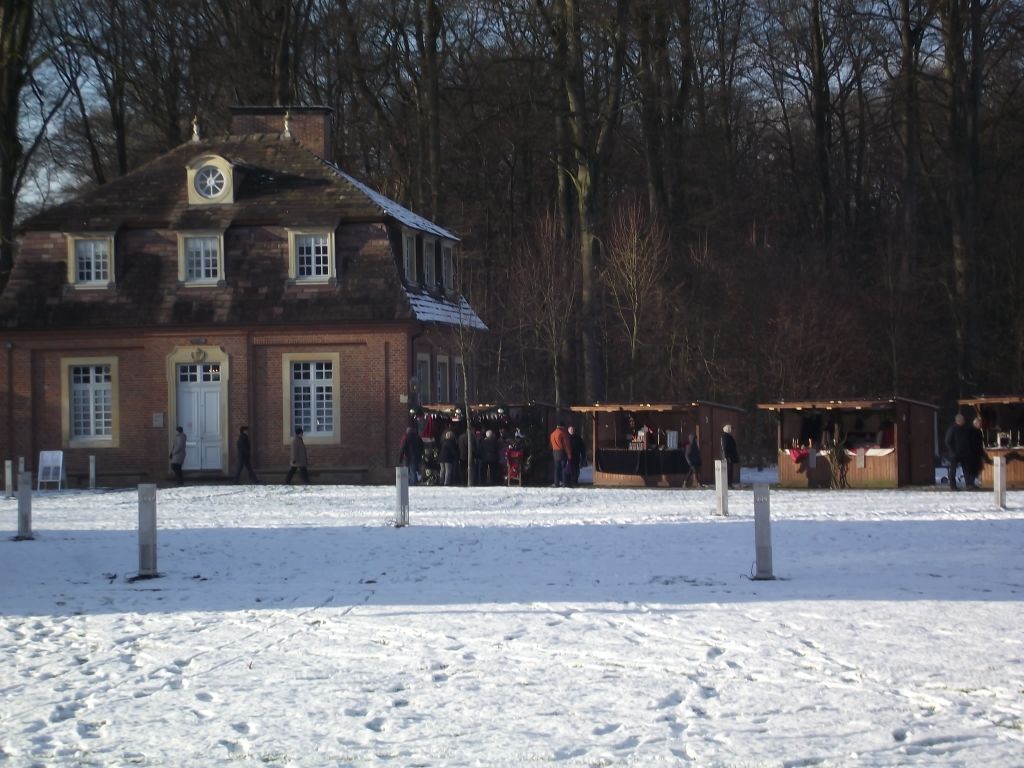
[(210, 181)]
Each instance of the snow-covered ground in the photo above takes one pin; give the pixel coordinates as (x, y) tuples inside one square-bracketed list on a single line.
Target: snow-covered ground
[(511, 627)]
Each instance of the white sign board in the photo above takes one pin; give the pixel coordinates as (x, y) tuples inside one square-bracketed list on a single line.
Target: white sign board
[(51, 469)]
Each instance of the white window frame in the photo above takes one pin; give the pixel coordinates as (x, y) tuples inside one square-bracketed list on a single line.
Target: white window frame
[(109, 438), (423, 359), (448, 267), (311, 436), (295, 237), (184, 239), (409, 255), (74, 242), (429, 257), (443, 380)]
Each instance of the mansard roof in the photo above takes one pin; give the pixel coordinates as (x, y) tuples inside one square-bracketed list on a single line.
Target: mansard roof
[(279, 183)]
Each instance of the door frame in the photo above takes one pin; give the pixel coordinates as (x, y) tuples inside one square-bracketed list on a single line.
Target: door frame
[(191, 355)]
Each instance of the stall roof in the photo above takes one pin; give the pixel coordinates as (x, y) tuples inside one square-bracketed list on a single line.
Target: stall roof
[(992, 400), (451, 407), (829, 405), (638, 407)]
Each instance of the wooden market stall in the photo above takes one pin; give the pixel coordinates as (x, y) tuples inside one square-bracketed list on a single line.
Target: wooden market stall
[(642, 443), (855, 443), (1002, 424)]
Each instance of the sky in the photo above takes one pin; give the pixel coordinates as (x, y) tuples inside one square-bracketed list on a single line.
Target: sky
[(513, 626)]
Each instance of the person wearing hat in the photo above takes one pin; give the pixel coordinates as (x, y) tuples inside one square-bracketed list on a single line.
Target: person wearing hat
[(299, 459), (731, 456)]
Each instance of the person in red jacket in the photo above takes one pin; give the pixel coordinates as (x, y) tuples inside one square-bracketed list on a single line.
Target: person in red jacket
[(561, 453)]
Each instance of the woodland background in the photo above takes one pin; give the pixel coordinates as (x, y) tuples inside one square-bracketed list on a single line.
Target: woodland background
[(735, 200)]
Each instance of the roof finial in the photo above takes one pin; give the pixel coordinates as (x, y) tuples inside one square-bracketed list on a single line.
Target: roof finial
[(287, 124), (195, 128)]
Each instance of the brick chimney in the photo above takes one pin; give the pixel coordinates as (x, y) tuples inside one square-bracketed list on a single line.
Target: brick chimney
[(312, 127)]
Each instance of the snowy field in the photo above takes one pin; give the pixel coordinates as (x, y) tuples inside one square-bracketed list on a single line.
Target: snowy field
[(513, 627)]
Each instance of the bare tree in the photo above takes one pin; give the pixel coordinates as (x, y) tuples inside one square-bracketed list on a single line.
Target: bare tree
[(636, 258)]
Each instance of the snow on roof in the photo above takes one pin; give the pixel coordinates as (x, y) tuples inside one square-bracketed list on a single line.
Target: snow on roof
[(429, 309), (396, 211)]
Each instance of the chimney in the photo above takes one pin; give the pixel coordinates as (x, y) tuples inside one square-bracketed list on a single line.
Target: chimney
[(312, 127)]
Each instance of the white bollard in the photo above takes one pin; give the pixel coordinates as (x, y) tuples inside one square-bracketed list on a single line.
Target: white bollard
[(8, 479), (402, 497), (24, 507), (92, 473), (762, 532), (999, 480), (722, 487), (147, 531)]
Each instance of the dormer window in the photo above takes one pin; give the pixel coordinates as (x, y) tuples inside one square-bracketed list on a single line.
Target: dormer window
[(448, 268), (429, 280), (200, 258), (91, 261), (311, 255), (409, 257), (210, 181)]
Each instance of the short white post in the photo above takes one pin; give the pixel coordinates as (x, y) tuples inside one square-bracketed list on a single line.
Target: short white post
[(147, 530), (24, 507), (999, 480), (722, 486), (92, 472), (401, 497), (8, 479), (762, 532)]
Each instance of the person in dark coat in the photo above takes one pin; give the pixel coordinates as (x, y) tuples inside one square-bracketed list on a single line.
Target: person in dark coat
[(177, 456), (299, 459), (448, 457), (410, 453), (578, 454), (244, 449), (490, 459), (731, 456), (960, 451), (692, 456)]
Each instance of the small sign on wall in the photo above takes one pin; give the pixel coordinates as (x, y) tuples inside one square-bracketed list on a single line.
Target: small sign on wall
[(158, 419)]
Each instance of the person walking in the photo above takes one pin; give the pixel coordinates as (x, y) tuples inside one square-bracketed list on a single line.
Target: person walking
[(561, 453), (299, 459), (244, 450), (692, 456), (977, 450), (177, 456), (579, 452), (448, 456), (958, 447), (410, 453), (731, 456)]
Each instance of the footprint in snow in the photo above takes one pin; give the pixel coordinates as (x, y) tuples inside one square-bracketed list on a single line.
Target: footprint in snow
[(603, 730), (377, 724), (354, 712), (674, 699), (714, 652), (204, 696)]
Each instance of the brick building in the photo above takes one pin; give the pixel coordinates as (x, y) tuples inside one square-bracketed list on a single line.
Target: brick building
[(244, 280)]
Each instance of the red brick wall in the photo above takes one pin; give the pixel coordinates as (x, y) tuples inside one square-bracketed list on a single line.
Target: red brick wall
[(371, 380)]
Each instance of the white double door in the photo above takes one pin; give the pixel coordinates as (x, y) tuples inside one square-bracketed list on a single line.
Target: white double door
[(199, 415)]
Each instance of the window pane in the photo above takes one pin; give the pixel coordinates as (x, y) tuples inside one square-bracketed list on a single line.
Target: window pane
[(313, 256), (92, 261), (313, 397), (92, 401), (201, 258)]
